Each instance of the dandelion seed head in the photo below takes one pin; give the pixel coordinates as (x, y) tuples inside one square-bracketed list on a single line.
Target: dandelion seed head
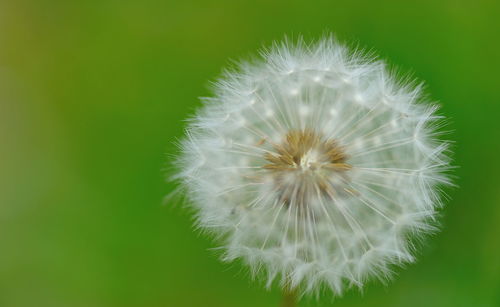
[(315, 166)]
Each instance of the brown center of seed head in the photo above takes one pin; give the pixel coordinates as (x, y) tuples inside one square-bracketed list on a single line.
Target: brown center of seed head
[(306, 165)]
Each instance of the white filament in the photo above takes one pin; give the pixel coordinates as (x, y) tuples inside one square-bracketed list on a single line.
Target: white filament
[(334, 239)]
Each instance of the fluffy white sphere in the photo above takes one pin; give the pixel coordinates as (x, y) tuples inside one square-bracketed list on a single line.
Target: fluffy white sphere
[(314, 166)]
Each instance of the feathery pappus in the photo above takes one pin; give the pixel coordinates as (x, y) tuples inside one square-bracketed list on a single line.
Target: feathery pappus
[(315, 166)]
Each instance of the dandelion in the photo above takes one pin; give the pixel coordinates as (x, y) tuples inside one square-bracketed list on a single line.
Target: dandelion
[(315, 167)]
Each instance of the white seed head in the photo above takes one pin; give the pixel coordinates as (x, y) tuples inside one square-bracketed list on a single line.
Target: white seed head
[(314, 166)]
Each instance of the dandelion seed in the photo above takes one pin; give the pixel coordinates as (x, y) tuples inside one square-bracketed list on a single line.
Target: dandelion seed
[(314, 166)]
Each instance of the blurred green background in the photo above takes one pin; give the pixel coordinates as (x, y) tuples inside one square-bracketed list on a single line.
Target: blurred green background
[(92, 93)]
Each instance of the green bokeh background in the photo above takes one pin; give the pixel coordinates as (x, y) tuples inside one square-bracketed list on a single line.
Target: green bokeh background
[(92, 94)]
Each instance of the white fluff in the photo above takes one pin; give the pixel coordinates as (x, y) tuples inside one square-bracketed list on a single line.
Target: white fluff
[(305, 224)]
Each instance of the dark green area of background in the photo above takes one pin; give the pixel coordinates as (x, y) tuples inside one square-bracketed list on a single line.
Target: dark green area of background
[(92, 93)]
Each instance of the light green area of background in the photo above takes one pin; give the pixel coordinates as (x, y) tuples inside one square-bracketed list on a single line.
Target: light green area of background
[(92, 93)]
